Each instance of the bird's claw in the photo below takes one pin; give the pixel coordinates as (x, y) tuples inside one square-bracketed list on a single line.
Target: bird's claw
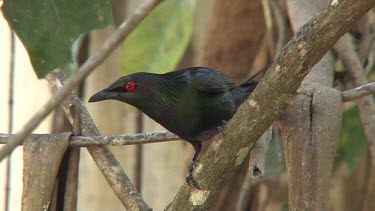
[(189, 177), (191, 181), (221, 127)]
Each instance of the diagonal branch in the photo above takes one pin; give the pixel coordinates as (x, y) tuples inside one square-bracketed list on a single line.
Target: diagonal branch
[(108, 47), (268, 101), (102, 155)]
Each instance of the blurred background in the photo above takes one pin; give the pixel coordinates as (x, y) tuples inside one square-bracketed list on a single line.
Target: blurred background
[(236, 37)]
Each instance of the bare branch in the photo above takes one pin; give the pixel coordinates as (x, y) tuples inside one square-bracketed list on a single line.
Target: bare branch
[(366, 105), (127, 139), (10, 117), (108, 47), (165, 136), (358, 92), (116, 140)]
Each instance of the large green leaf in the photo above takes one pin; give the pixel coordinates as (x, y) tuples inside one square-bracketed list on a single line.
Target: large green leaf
[(48, 28), (159, 42)]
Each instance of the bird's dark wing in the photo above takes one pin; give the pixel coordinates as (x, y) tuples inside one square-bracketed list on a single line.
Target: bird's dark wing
[(210, 81)]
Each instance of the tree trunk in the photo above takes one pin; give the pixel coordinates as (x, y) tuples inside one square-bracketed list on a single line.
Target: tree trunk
[(310, 128)]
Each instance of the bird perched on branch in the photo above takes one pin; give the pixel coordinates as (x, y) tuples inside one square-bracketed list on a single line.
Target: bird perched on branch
[(193, 103)]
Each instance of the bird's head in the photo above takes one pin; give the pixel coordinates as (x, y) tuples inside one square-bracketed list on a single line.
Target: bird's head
[(134, 89)]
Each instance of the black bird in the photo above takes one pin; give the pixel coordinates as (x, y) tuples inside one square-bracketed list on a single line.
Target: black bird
[(193, 103)]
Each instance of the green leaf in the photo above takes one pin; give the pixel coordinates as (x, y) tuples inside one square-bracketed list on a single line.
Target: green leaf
[(159, 42), (48, 28), (352, 138)]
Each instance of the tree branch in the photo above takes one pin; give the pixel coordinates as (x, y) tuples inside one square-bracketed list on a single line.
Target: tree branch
[(366, 105), (358, 92), (268, 101), (108, 47), (116, 140), (103, 157), (165, 136)]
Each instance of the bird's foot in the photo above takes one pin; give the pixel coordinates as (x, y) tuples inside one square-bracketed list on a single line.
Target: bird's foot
[(190, 180), (221, 127), (189, 176)]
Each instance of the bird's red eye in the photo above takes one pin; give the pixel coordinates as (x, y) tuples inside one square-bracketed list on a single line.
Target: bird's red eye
[(130, 86)]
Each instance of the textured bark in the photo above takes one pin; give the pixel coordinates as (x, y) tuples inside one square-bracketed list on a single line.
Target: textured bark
[(42, 157), (234, 36), (310, 132), (310, 128), (272, 96)]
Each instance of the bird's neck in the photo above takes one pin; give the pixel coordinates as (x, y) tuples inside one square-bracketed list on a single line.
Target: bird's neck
[(168, 90), (165, 96)]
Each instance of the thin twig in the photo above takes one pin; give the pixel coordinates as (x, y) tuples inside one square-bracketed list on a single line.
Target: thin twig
[(116, 140), (366, 105), (165, 136), (10, 113), (358, 92), (107, 48)]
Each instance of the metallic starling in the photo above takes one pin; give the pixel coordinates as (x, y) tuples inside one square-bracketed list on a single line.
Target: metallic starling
[(193, 103)]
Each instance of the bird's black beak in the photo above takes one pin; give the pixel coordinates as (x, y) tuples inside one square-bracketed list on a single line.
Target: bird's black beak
[(102, 94)]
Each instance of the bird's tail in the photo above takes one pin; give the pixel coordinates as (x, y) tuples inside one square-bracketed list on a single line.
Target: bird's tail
[(250, 81), (248, 86)]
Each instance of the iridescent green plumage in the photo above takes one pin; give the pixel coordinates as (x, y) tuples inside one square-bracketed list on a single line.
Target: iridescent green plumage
[(192, 103)]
